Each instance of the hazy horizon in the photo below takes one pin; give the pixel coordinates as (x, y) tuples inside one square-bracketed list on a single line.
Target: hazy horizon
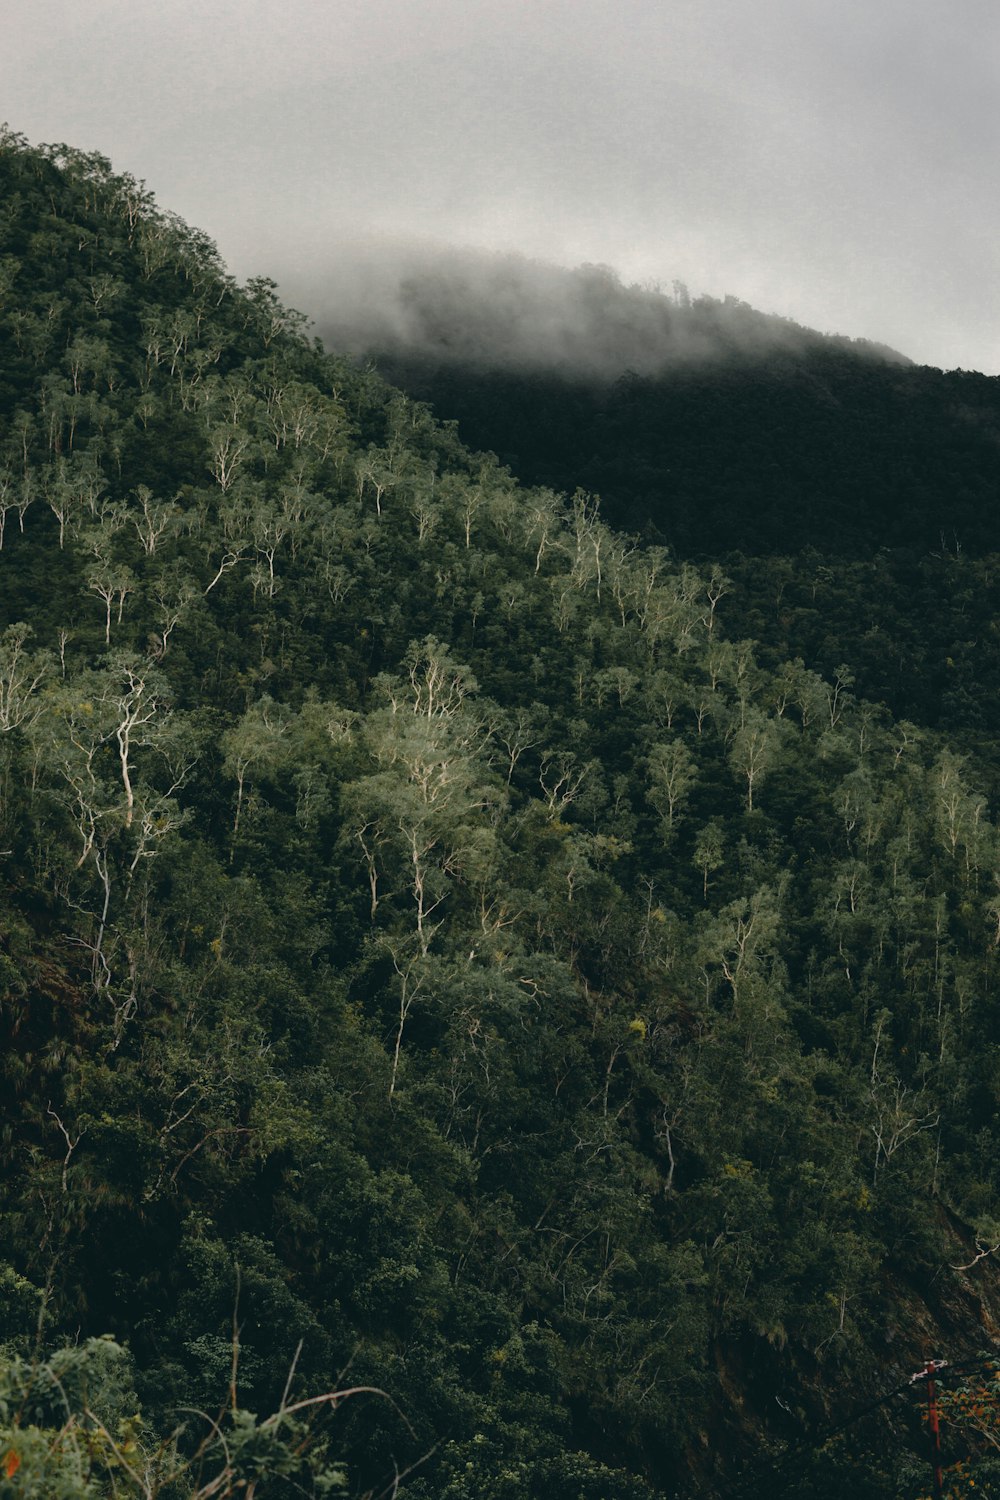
[(833, 165), (451, 304)]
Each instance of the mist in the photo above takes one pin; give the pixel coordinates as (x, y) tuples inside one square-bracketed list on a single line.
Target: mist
[(393, 300), (833, 163)]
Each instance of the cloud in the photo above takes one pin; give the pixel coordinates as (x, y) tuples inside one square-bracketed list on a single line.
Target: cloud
[(398, 301), (832, 161)]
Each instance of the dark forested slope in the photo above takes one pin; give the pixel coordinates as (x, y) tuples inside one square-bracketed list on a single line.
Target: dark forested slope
[(850, 496), (434, 949), (764, 455)]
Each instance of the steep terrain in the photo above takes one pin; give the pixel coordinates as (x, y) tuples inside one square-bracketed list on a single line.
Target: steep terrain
[(437, 959), (849, 496)]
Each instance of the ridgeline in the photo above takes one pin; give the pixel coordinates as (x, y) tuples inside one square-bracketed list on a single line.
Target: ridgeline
[(849, 496), (440, 961)]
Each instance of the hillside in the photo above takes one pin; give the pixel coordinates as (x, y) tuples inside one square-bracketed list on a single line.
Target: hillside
[(439, 960), (849, 496)]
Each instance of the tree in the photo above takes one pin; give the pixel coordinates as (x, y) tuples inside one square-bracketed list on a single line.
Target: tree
[(16, 493), (21, 675), (112, 583), (153, 519), (754, 750), (709, 852), (69, 486), (672, 775), (254, 746)]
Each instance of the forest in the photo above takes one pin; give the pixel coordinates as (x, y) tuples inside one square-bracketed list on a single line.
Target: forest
[(491, 1010), (848, 494)]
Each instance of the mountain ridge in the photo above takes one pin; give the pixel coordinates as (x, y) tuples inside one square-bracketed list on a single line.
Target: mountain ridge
[(435, 948), (827, 485), (493, 312)]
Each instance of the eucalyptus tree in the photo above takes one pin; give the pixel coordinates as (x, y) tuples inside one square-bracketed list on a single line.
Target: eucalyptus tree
[(22, 672)]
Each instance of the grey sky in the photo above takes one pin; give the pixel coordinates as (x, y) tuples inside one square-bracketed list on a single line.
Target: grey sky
[(831, 160)]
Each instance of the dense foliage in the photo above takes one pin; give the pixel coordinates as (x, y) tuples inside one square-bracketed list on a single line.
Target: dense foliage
[(850, 498), (436, 958)]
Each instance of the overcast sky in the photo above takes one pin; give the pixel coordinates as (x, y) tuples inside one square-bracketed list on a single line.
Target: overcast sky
[(835, 161)]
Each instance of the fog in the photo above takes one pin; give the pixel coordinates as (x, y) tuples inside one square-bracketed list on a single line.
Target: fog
[(445, 305), (830, 160)]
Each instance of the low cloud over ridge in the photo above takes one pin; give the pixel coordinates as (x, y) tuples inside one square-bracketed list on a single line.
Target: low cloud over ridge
[(505, 311)]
